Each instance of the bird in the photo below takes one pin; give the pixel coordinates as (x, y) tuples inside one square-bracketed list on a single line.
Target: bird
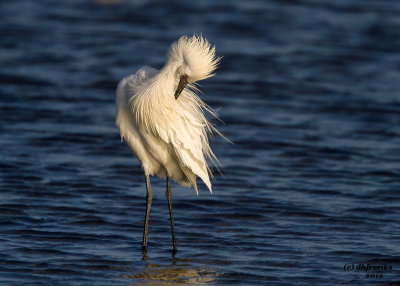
[(163, 120)]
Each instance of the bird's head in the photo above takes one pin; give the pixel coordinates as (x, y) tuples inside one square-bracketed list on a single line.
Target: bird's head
[(192, 59)]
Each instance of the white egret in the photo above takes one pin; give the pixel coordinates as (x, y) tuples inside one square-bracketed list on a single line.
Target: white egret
[(162, 119)]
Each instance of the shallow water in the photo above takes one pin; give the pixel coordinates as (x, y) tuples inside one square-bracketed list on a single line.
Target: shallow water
[(309, 93)]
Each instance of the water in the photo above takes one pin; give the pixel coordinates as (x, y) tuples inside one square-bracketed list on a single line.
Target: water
[(309, 92)]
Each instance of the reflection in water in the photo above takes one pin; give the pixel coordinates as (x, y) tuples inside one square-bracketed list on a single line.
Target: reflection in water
[(178, 273)]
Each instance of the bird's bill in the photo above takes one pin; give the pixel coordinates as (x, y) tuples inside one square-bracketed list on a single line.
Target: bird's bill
[(181, 85)]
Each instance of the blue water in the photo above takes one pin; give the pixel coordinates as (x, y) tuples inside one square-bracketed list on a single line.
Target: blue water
[(310, 95)]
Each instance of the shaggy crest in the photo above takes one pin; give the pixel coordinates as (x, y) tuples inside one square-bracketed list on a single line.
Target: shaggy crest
[(194, 56)]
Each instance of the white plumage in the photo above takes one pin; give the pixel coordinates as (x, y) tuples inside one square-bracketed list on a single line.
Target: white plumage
[(162, 119), (168, 135)]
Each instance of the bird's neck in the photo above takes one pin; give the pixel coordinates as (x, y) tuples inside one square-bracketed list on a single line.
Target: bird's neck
[(159, 89), (166, 81)]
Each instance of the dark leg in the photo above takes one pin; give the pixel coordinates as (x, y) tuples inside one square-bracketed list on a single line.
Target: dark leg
[(169, 196), (149, 199)]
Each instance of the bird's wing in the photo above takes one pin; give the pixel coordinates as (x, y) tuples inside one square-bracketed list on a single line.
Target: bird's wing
[(127, 86), (124, 118), (186, 135)]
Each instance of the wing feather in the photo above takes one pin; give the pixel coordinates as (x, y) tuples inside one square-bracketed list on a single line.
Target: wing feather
[(186, 137)]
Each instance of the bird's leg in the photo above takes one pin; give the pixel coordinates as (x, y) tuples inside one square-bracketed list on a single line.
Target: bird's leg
[(169, 196), (149, 199)]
